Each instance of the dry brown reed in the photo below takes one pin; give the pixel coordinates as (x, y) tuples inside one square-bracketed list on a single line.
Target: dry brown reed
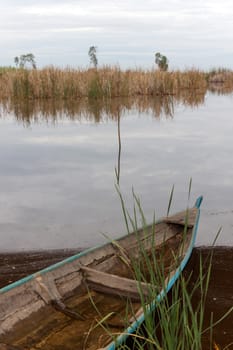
[(105, 82), (220, 81)]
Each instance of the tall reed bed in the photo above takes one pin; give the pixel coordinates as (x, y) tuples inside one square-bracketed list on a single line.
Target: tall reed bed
[(105, 82), (220, 81)]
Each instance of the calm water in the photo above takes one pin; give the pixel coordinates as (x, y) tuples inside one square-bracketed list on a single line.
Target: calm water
[(57, 175)]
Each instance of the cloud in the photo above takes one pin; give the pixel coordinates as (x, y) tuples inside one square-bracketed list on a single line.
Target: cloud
[(136, 27)]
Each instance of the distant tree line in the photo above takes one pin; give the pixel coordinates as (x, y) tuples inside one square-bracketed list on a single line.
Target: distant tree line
[(22, 60)]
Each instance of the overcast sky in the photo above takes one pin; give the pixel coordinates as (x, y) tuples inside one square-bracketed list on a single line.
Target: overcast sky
[(191, 33)]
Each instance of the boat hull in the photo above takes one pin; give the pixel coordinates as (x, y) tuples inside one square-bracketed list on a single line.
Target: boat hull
[(68, 304)]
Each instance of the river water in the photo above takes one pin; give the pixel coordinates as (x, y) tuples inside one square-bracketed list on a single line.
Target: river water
[(57, 169)]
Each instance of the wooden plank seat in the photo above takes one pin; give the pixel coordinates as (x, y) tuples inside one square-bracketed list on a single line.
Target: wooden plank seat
[(116, 285)]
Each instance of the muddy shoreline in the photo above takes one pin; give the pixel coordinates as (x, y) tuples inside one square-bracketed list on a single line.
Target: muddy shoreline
[(14, 266), (220, 293)]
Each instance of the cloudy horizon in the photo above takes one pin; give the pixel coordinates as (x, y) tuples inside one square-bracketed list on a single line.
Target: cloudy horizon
[(126, 33)]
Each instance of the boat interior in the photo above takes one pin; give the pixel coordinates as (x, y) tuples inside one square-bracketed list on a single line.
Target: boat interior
[(112, 283)]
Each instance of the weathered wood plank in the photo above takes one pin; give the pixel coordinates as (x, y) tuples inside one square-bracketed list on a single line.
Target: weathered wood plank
[(112, 284), (185, 219)]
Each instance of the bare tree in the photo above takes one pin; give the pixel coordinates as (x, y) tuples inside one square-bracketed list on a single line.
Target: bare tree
[(16, 60), (92, 54), (22, 60)]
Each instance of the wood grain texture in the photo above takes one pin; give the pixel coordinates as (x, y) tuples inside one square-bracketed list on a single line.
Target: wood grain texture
[(112, 284)]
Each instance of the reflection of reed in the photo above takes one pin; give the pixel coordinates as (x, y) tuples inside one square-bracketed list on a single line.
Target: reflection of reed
[(118, 169), (96, 110), (220, 89), (191, 99)]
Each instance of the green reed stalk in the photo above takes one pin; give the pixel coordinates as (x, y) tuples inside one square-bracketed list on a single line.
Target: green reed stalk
[(172, 322), (175, 323)]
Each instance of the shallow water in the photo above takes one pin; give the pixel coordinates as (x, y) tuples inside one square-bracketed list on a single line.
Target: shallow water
[(58, 170)]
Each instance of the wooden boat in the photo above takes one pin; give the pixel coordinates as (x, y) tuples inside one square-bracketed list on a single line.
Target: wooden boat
[(82, 301)]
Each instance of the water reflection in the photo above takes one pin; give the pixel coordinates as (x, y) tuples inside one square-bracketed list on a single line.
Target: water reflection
[(118, 168), (57, 176), (191, 98), (97, 110), (220, 89)]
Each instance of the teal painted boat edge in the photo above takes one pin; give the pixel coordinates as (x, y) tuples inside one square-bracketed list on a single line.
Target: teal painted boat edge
[(131, 329), (138, 322), (56, 265), (198, 202), (47, 269)]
